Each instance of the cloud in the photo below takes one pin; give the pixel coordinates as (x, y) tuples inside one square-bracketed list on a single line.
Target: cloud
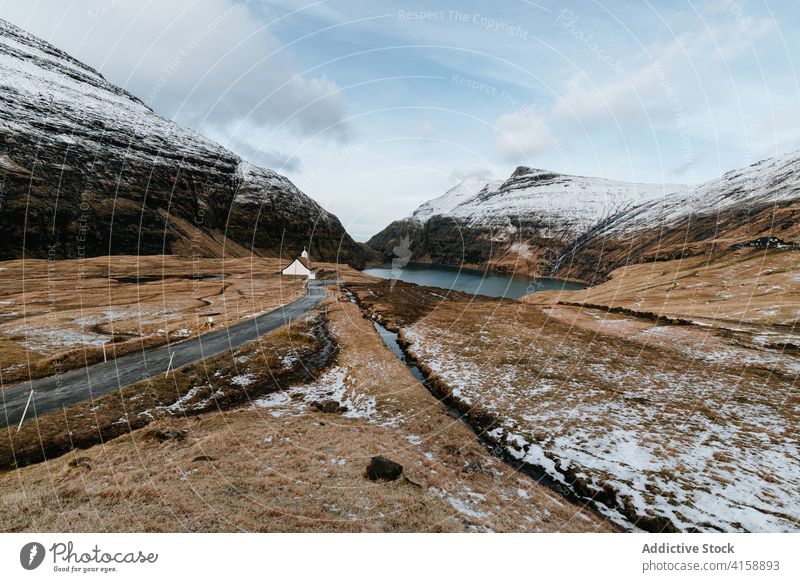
[(522, 134), (691, 84), (683, 73), (196, 61), (461, 174), (263, 156)]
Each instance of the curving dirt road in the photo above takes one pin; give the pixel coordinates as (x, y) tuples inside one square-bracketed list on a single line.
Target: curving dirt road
[(57, 392)]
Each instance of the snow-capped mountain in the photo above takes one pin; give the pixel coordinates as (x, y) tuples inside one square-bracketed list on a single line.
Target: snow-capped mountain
[(86, 168), (524, 222), (455, 197), (561, 201), (761, 200), (766, 183), (544, 223)]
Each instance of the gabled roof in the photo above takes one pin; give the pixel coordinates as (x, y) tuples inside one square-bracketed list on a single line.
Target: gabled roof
[(302, 260)]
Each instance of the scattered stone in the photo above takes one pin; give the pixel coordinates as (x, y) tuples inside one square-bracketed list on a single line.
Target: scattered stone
[(473, 466), (328, 406), (383, 469), (80, 462), (639, 400), (412, 482), (201, 458), (162, 435), (453, 450)]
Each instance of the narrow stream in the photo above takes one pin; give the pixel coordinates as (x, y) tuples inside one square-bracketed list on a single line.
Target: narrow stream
[(537, 473), (390, 339)]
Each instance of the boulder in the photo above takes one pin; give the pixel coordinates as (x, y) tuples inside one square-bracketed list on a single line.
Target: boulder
[(473, 466), (381, 468), (201, 458), (328, 406), (80, 462), (162, 435)]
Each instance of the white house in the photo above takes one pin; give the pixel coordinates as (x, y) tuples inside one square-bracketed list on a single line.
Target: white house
[(300, 267)]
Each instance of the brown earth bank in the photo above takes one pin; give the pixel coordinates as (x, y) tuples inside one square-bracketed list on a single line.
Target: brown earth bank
[(279, 462), (744, 286), (667, 427)]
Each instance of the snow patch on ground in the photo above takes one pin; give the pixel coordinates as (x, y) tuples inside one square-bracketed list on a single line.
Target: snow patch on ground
[(41, 339), (243, 379), (334, 384), (732, 463)]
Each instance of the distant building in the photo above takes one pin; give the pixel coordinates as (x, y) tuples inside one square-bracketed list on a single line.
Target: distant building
[(766, 242), (300, 267)]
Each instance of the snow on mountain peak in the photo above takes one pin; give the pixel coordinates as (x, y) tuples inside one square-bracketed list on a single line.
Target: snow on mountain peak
[(455, 196), (85, 137), (770, 181), (530, 194)]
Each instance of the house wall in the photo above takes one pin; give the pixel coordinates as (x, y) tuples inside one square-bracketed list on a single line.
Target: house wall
[(296, 268)]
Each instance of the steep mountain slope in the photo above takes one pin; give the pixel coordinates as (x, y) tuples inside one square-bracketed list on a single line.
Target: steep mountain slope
[(88, 169), (761, 200), (524, 223), (545, 223), (456, 196)]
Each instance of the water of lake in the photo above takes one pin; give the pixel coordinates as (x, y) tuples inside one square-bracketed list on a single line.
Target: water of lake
[(471, 281)]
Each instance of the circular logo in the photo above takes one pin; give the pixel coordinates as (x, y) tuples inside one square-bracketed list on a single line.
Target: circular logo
[(31, 555)]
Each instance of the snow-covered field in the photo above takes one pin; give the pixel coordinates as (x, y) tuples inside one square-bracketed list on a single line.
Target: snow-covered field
[(698, 432)]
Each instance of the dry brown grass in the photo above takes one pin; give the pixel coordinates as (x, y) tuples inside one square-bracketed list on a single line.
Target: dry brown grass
[(629, 411), (750, 286), (271, 362), (282, 466), (397, 304), (55, 316)]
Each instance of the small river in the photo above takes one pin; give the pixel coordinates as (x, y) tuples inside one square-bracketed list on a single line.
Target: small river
[(471, 281)]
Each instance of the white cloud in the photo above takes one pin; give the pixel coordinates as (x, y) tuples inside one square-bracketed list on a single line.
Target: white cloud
[(684, 73), (523, 134), (193, 60), (691, 84)]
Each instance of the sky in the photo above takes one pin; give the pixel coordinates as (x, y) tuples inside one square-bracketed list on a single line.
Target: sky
[(374, 107)]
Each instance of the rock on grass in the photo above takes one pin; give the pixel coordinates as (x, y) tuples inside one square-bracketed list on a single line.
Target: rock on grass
[(381, 468)]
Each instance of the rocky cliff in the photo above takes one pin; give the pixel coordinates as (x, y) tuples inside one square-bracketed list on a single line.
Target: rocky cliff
[(524, 223), (548, 224), (761, 200), (87, 169)]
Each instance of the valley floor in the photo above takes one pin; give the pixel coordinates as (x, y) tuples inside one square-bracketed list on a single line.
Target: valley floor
[(276, 463), (686, 422), (747, 286), (59, 315), (667, 426)]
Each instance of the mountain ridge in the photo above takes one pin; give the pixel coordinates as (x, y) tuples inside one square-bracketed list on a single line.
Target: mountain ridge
[(89, 169), (544, 223)]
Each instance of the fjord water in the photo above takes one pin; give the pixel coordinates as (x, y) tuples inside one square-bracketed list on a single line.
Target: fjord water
[(476, 282)]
